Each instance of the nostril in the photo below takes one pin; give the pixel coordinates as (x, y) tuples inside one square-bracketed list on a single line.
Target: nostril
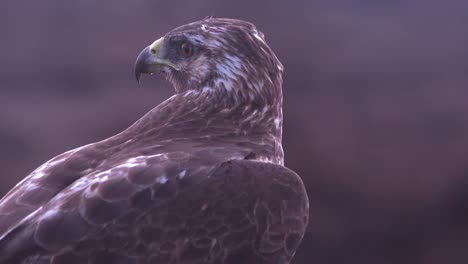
[(152, 51)]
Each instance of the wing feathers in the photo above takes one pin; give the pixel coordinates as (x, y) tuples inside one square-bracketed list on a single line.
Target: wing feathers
[(223, 213)]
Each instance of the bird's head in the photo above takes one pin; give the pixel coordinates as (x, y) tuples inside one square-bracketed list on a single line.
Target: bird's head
[(214, 54)]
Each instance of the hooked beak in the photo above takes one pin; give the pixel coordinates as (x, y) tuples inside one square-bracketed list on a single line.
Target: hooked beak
[(149, 61)]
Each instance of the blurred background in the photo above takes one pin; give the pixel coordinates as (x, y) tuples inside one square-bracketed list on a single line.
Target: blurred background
[(376, 107)]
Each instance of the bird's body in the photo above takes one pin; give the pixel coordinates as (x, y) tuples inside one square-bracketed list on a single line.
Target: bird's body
[(199, 179)]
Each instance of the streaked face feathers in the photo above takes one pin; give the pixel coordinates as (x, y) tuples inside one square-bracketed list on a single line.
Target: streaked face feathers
[(221, 55)]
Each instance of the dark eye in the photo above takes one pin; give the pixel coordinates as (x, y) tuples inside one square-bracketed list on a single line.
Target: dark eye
[(186, 49)]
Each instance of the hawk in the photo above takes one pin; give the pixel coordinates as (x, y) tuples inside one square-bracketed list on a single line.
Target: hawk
[(198, 179)]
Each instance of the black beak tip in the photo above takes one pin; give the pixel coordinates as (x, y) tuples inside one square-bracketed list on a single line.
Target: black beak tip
[(140, 63), (138, 76)]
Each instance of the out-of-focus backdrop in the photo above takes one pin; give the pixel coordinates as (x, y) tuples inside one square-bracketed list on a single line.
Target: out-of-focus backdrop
[(376, 107)]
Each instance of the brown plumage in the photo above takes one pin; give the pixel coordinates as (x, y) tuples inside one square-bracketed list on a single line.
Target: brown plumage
[(199, 179)]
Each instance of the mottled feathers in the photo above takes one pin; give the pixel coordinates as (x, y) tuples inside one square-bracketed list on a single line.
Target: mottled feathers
[(198, 179)]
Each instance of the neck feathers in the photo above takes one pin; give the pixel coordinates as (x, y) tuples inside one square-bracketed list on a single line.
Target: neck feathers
[(206, 117)]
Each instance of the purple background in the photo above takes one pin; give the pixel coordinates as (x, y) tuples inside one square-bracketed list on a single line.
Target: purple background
[(376, 107)]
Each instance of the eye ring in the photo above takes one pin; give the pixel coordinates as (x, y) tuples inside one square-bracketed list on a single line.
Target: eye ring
[(186, 49)]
